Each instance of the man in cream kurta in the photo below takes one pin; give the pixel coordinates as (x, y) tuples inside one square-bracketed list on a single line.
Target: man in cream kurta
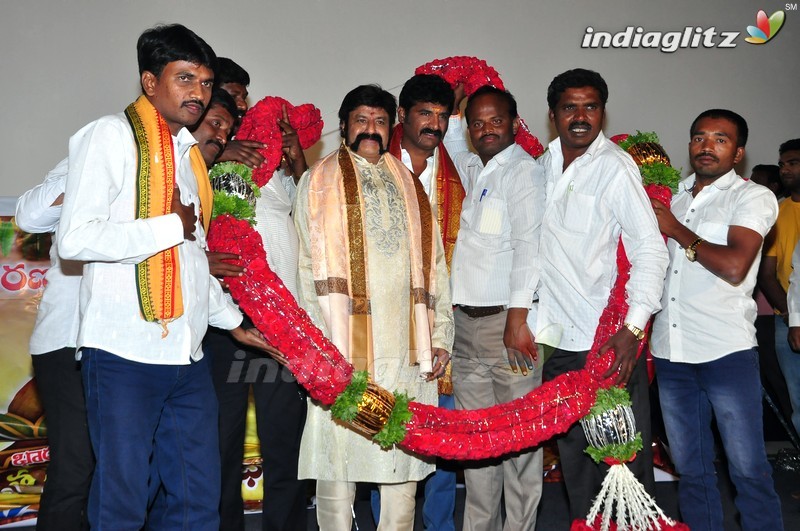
[(392, 222)]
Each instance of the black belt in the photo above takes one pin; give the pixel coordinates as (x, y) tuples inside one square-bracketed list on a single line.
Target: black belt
[(481, 311)]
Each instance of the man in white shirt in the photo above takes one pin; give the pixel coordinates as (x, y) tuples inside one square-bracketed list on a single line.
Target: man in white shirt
[(704, 339), (52, 345), (594, 197), (146, 293), (494, 359), (280, 402), (58, 376), (426, 103)]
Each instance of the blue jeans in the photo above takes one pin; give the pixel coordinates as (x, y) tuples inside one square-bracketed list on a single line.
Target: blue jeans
[(151, 420), (730, 389), (439, 506), (789, 361)]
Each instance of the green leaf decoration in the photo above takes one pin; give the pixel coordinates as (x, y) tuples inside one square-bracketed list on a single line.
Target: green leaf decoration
[(346, 406), (660, 173), (395, 429), (608, 399), (225, 203), (620, 452), (7, 233), (638, 138)]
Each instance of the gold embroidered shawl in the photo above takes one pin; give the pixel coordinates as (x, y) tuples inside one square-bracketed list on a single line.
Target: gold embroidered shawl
[(339, 258)]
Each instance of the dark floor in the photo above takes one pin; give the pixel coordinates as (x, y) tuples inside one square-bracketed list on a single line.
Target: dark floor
[(553, 515)]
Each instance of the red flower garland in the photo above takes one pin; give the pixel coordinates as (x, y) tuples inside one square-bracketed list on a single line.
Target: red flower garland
[(474, 73), (313, 359), (260, 123), (478, 434)]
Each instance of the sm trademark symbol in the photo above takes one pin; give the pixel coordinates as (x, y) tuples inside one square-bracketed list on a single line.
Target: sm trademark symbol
[(791, 7)]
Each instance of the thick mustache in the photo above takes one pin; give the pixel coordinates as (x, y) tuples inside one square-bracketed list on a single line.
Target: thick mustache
[(706, 154), (580, 124), (217, 143), (367, 136), (434, 132), (194, 102), (489, 134)]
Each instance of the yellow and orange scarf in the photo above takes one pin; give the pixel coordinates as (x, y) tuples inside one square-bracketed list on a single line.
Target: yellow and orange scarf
[(158, 278)]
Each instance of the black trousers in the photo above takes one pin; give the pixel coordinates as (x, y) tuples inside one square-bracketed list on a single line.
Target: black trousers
[(582, 476), (69, 473), (280, 414)]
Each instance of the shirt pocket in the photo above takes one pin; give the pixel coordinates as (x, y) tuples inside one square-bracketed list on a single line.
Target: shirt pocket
[(713, 232), (578, 211), (491, 213)]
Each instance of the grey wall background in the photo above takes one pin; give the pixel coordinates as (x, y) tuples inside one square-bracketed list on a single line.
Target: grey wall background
[(65, 63)]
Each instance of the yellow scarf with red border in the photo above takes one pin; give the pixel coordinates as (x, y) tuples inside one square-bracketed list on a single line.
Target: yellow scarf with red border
[(158, 278)]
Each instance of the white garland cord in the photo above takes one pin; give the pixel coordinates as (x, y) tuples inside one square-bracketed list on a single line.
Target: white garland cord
[(636, 510)]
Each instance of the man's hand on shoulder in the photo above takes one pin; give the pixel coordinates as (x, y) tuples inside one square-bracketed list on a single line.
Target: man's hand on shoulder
[(186, 213), (625, 345), (244, 151), (518, 341)]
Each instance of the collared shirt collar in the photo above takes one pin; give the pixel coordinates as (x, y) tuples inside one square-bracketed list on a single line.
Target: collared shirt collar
[(594, 147), (723, 182), (405, 158), (184, 140), (500, 159)]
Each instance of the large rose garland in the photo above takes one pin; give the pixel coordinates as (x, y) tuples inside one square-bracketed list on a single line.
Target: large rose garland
[(474, 73), (393, 419), (261, 123), (547, 411)]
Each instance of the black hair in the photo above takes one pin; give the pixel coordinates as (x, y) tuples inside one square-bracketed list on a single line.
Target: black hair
[(161, 45), (576, 78), (223, 99), (741, 125), (427, 88), (371, 96), (230, 72), (789, 145), (502, 94)]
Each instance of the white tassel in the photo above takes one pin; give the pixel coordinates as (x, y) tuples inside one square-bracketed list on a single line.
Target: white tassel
[(636, 510)]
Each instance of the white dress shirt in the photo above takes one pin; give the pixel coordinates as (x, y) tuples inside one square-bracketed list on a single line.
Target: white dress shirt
[(498, 240), (274, 224), (428, 175), (705, 317), (98, 225), (597, 199), (57, 318)]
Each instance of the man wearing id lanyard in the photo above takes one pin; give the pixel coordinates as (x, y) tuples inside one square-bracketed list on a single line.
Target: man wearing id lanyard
[(594, 197), (494, 359)]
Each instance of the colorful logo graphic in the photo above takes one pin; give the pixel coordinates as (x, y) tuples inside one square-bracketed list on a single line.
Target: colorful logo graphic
[(765, 28)]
